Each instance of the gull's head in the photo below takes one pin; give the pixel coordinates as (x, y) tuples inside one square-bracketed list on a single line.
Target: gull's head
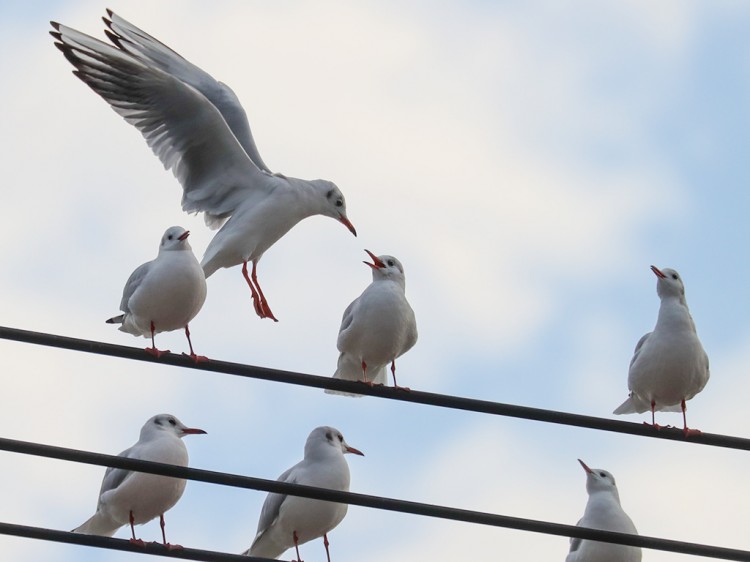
[(335, 204), (327, 441), (167, 423), (599, 480), (385, 267), (669, 283), (175, 238)]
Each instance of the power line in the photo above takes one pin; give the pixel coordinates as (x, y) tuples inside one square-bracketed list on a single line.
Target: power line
[(152, 548), (414, 396), (370, 501)]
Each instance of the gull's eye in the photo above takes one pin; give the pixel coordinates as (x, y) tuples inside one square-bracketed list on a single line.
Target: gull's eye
[(390, 263), (170, 237), (341, 438), (339, 203), (172, 421), (675, 276)]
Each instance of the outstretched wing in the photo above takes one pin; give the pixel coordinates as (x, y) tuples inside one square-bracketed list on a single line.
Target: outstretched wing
[(154, 53), (183, 128)]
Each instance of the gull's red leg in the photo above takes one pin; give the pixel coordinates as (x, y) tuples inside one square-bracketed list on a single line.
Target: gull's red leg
[(296, 545), (134, 540), (152, 350), (193, 356), (256, 298), (685, 429), (263, 302), (395, 384), (326, 543)]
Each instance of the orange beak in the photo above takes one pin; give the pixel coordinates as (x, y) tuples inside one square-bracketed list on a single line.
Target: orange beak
[(376, 262), (192, 431), (585, 467), (354, 451), (657, 272), (345, 221)]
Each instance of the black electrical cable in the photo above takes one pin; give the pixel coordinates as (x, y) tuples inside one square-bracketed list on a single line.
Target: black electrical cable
[(371, 501), (414, 396), (153, 548)]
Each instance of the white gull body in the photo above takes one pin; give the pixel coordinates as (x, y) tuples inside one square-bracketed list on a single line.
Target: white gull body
[(603, 511), (125, 494), (378, 327), (288, 521), (164, 294), (669, 365), (199, 130)]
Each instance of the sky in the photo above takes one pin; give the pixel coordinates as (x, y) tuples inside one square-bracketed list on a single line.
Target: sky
[(526, 161)]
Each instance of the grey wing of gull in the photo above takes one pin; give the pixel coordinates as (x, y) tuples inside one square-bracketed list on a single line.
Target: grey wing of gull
[(132, 284), (638, 347), (181, 126), (113, 477), (270, 510), (575, 542), (141, 45), (346, 320)]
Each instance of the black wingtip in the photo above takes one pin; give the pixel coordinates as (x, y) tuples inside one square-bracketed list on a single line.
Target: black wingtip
[(110, 13), (55, 25)]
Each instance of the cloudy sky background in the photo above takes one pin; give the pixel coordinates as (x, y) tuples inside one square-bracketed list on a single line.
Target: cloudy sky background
[(526, 161)]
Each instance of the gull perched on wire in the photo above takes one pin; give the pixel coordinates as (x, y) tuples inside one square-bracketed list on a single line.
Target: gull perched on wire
[(164, 294), (135, 498), (669, 365), (199, 130), (377, 327), (289, 521), (603, 511)]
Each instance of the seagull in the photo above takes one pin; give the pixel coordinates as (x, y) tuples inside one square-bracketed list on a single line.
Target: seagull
[(138, 497), (377, 327), (164, 294), (603, 511), (289, 521), (669, 365), (199, 130)]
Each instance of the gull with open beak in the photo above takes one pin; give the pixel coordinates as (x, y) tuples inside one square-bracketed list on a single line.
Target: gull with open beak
[(378, 327)]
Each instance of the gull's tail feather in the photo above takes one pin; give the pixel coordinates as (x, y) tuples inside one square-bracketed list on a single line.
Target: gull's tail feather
[(350, 369), (98, 525)]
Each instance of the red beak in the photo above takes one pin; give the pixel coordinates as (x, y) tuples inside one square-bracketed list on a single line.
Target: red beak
[(192, 431), (585, 467), (184, 235), (354, 451), (376, 262), (345, 221), (657, 272)]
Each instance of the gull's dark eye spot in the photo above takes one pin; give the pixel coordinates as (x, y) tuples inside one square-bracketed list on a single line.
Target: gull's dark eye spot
[(390, 263), (330, 192), (339, 203), (170, 237), (675, 276), (341, 438), (172, 421), (157, 421), (603, 474), (329, 436)]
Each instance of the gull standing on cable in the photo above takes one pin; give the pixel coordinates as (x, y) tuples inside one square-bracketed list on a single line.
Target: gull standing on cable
[(164, 294), (669, 365), (199, 130), (135, 498), (603, 511), (289, 521), (378, 327)]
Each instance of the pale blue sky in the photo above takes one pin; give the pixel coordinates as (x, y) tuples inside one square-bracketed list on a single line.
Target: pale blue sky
[(526, 161)]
